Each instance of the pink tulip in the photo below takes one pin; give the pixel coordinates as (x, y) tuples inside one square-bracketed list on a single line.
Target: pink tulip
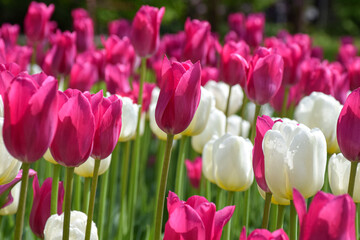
[(179, 96), (145, 36), (317, 52), (95, 57), (9, 33), (83, 76), (20, 55), (107, 113), (263, 124), (2, 52), (84, 28), (209, 73), (79, 13), (254, 26), (172, 45), (74, 137), (36, 21), (264, 234), (214, 50), (194, 170), (119, 51), (195, 219), (196, 43), (294, 97), (61, 56), (348, 125), (265, 76), (7, 73), (236, 22), (305, 43), (354, 73), (340, 81), (347, 52), (30, 109), (120, 28), (40, 211), (117, 78), (329, 217)]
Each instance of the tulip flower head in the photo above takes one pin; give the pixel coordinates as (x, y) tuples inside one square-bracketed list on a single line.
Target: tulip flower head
[(87, 168), (264, 234), (194, 171)]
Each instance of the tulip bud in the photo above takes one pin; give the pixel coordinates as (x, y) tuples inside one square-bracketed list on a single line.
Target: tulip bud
[(87, 168), (54, 225), (321, 111), (295, 157), (83, 76)]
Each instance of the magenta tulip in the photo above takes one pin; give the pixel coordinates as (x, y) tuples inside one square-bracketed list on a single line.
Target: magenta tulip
[(194, 171), (40, 210), (254, 26), (20, 55), (9, 33), (96, 58), (83, 76), (36, 21), (119, 51), (30, 110), (172, 45), (84, 28), (354, 73), (348, 127), (329, 217), (264, 234), (120, 28), (79, 13), (179, 96), (73, 140), (347, 52), (209, 73), (319, 78), (195, 219), (145, 36), (7, 73), (2, 52), (236, 22), (117, 78), (265, 76)]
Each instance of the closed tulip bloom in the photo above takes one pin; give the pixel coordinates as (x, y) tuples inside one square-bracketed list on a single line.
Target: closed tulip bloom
[(329, 217), (321, 111), (84, 28), (238, 126), (119, 51), (220, 91), (198, 123), (30, 110), (40, 210), (232, 163), (73, 141), (9, 33), (20, 55), (83, 76), (87, 168), (215, 126), (193, 169), (354, 73), (339, 174), (179, 96), (145, 36), (348, 126), (264, 234), (7, 73), (295, 157), (236, 22), (254, 26), (120, 28), (117, 78), (36, 21), (195, 219), (347, 52), (265, 76), (129, 113), (208, 74), (207, 157), (11, 208), (54, 225)]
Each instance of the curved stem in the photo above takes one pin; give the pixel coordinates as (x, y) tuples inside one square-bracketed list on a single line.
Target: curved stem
[(265, 221), (352, 178), (162, 187), (19, 224), (92, 199), (85, 203), (227, 107), (280, 217), (67, 210), (253, 129), (293, 224), (55, 189), (180, 168), (227, 229)]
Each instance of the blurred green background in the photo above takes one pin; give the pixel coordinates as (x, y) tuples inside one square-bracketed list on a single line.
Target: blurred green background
[(325, 20)]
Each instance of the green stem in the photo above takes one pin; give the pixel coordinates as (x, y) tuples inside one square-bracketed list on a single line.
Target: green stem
[(293, 222), (77, 192), (352, 178), (265, 221), (33, 59), (86, 192), (162, 187), (227, 229), (246, 209), (227, 107), (55, 188), (19, 223), (243, 106), (180, 169), (280, 217), (325, 187), (67, 208), (285, 100), (357, 220), (253, 128), (92, 199), (102, 212), (273, 217), (134, 177)]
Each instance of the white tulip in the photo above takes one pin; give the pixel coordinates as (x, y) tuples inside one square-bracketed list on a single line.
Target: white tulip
[(295, 157), (48, 157), (339, 174), (54, 226), (12, 207), (9, 166), (214, 126), (321, 111), (87, 168), (232, 163), (198, 123), (207, 160), (129, 115), (220, 90), (238, 126)]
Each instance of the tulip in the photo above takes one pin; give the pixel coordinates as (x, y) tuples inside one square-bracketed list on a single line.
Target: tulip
[(116, 78), (172, 45), (201, 116), (264, 234), (9, 33), (84, 28), (347, 52), (208, 74), (329, 217), (83, 76), (120, 28), (36, 21), (297, 156), (145, 30), (207, 157), (7, 73), (2, 52), (238, 126), (220, 91), (179, 97), (11, 208), (87, 168), (195, 219), (232, 160), (317, 52), (119, 51), (215, 126), (236, 22), (20, 55), (40, 211), (265, 76), (254, 26), (339, 174), (77, 229), (194, 171), (96, 58), (354, 73), (129, 113)]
